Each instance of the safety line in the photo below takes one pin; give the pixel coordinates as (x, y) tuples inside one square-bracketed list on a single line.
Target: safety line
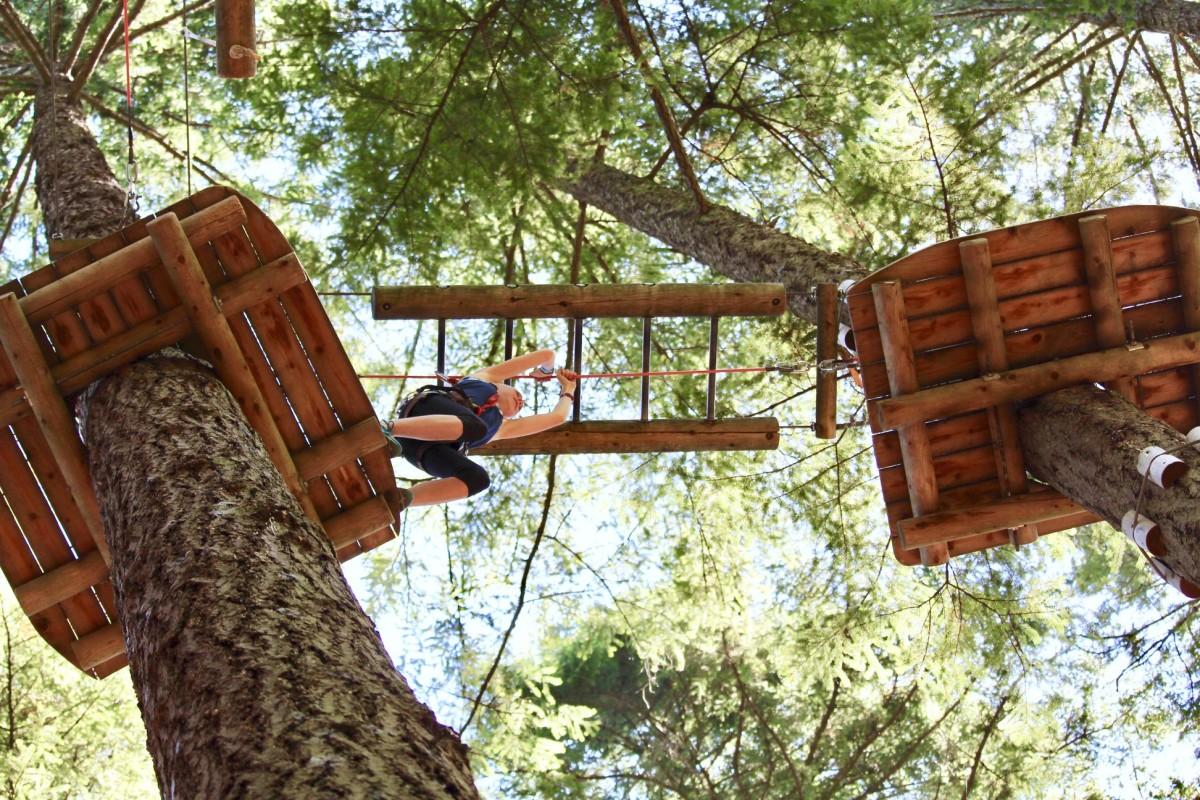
[(653, 373)]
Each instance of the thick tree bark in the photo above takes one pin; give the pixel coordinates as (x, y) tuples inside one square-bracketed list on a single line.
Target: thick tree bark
[(1084, 441), (728, 242), (1178, 17), (77, 192), (257, 673)]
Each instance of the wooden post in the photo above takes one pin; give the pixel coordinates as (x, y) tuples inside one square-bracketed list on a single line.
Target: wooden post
[(98, 646), (825, 426), (1185, 235), (1039, 379), (203, 309), (1102, 288), (993, 357), (53, 587), (338, 449), (586, 301), (55, 420), (656, 436), (902, 377), (236, 56)]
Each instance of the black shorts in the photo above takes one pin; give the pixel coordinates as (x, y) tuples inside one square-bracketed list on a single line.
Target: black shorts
[(446, 459)]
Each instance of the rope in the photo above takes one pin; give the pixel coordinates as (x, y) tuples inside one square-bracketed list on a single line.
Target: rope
[(131, 197), (187, 102), (652, 373)]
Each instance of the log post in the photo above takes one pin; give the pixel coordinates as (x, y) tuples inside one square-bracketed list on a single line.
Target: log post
[(825, 426), (203, 309), (914, 441), (1084, 441), (1102, 288), (993, 357), (236, 57), (1185, 235), (50, 410)]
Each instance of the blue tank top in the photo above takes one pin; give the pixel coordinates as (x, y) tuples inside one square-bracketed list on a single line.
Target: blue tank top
[(479, 392)]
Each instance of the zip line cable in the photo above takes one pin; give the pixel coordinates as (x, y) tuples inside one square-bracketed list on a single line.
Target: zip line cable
[(781, 368)]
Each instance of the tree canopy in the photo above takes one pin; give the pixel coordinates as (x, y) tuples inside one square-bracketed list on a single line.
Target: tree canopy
[(684, 625)]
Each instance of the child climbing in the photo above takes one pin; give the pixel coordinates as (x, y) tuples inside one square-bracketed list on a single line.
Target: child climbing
[(437, 424)]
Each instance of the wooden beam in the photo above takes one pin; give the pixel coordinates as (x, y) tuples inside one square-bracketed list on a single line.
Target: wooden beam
[(1006, 513), (55, 586), (1020, 384), (57, 423), (656, 436), (580, 302), (902, 377), (1102, 289), (338, 449), (77, 372), (988, 327), (204, 311), (362, 520), (62, 247), (110, 270), (1185, 236), (99, 646), (825, 426), (236, 57)]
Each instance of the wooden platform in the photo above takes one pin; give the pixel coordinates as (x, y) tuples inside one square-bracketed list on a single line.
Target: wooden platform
[(114, 301), (950, 337)]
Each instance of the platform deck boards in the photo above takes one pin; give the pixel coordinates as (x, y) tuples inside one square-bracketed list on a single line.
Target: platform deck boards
[(1046, 314), (290, 347)]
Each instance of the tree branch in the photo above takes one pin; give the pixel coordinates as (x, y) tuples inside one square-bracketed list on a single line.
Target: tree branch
[(533, 550), (81, 29), (22, 36), (93, 59), (660, 105)]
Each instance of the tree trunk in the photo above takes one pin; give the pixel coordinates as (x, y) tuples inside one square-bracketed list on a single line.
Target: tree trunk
[(257, 673), (1176, 17), (728, 242), (1084, 441), (78, 194)]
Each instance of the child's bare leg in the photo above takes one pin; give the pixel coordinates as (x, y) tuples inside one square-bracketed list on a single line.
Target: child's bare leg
[(429, 428), (442, 490)]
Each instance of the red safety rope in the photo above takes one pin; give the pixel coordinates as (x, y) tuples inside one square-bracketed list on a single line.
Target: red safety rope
[(725, 370)]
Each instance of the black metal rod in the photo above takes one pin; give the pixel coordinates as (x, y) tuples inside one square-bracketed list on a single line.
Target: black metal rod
[(578, 359), (712, 364), (441, 349), (646, 323), (508, 342)]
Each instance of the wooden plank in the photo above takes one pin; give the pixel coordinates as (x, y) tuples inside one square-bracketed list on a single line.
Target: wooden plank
[(1019, 313), (579, 301), (324, 348), (203, 310), (1180, 415), (1021, 384), (41, 533), (96, 310), (919, 473), (337, 449), (76, 373), (291, 365), (131, 300), (955, 469), (65, 330), (1165, 386), (51, 299), (635, 436), (1038, 274), (50, 410), (367, 517), (62, 247), (1013, 511), (1185, 238), (1037, 345), (945, 436), (825, 426), (1022, 242)]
